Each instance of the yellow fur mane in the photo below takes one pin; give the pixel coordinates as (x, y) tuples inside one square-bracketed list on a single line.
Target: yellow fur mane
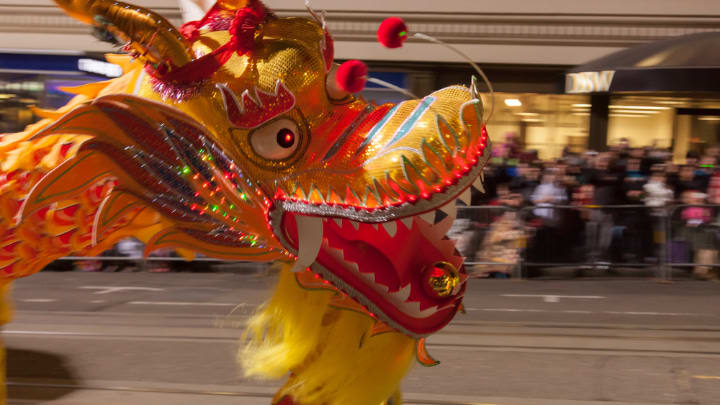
[(330, 353)]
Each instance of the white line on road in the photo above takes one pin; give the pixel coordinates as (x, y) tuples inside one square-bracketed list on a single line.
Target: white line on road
[(38, 300), (504, 310), (112, 289), (39, 332), (656, 313), (634, 313), (200, 304), (555, 298)]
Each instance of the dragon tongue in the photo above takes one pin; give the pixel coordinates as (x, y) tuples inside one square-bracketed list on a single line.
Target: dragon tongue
[(310, 235)]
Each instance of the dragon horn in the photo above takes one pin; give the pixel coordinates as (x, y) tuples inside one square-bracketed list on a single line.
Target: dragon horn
[(233, 4), (149, 35)]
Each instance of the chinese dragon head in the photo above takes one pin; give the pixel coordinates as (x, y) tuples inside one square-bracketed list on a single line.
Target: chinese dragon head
[(229, 137)]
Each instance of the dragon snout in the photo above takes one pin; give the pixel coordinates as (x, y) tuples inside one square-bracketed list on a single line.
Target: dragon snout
[(404, 159)]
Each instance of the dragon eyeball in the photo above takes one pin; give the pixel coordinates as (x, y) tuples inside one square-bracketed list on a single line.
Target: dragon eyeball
[(277, 140)]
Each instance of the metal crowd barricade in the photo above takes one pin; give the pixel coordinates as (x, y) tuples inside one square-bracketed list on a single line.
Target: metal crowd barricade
[(594, 238), (520, 242), (580, 238)]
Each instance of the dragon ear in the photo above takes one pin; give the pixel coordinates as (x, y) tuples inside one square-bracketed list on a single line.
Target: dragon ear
[(148, 35)]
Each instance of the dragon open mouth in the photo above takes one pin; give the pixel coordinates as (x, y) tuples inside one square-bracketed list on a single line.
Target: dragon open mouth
[(378, 265)]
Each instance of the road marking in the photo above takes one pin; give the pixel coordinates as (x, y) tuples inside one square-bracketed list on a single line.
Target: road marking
[(112, 289), (707, 377), (199, 304), (38, 300), (655, 313), (39, 332), (555, 298), (505, 310), (633, 313)]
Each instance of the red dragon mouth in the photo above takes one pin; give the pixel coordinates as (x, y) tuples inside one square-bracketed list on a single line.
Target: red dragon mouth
[(387, 267)]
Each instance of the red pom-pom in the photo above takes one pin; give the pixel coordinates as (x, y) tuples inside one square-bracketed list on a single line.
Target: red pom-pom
[(392, 32), (351, 76)]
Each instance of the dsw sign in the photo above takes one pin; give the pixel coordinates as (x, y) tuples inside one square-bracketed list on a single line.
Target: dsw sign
[(589, 82)]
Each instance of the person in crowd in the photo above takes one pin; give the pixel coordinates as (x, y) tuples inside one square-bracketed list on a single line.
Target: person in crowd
[(695, 217), (687, 181), (546, 218), (606, 179), (525, 182), (706, 168), (657, 195), (633, 228), (502, 246)]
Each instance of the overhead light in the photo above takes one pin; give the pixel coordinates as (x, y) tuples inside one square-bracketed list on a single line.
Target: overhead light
[(672, 102), (513, 102), (6, 96), (532, 120), (637, 107), (581, 105), (584, 114), (637, 111), (527, 114), (629, 115), (709, 119), (99, 67)]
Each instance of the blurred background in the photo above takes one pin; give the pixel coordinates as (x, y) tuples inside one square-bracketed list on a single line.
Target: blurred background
[(605, 170)]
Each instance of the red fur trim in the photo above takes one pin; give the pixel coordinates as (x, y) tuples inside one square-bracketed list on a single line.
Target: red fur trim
[(244, 30)]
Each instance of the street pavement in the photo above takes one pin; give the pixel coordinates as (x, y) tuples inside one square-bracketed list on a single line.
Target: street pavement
[(143, 338)]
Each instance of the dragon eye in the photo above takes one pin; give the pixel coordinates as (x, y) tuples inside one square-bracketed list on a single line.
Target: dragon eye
[(286, 138), (277, 140)]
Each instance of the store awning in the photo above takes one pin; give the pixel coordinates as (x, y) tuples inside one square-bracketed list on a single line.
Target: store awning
[(689, 63)]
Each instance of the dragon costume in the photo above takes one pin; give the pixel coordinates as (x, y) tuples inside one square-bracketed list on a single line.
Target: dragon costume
[(230, 137)]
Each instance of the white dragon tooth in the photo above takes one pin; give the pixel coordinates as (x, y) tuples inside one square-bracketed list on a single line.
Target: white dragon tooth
[(352, 266), (408, 222), (465, 196), (338, 222), (367, 276), (381, 288), (403, 294), (413, 309), (376, 226), (478, 184), (428, 217), (450, 209), (444, 226), (390, 228), (310, 237), (355, 225)]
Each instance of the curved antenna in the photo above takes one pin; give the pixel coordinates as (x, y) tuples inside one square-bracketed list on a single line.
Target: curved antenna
[(470, 61)]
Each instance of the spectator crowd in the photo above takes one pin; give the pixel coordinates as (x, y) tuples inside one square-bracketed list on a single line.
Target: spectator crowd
[(602, 209)]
